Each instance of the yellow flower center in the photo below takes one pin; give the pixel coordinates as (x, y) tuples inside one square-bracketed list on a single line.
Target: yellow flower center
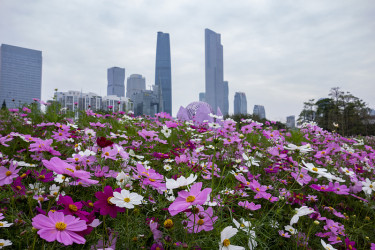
[(338, 238), (242, 225), (301, 175), (108, 200), (200, 222), (1, 224), (315, 169), (168, 223), (106, 153), (226, 242), (18, 187), (8, 173), (127, 200), (40, 199), (76, 159), (1, 244), (350, 247), (371, 186), (190, 198), (42, 177), (73, 208), (91, 204), (60, 226), (151, 179), (69, 169), (257, 189)]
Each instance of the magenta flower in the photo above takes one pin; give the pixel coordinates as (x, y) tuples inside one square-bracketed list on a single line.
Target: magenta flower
[(301, 176), (148, 135), (71, 207), (103, 203), (185, 199), (59, 227), (7, 175), (350, 244)]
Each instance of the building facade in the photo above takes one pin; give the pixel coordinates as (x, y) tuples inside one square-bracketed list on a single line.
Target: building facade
[(135, 83), (148, 102), (240, 103), (291, 121), (77, 101), (20, 75), (116, 81), (259, 111), (216, 89), (202, 97), (163, 76)]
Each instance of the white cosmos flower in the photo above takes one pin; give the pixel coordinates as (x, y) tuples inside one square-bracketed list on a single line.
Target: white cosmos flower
[(214, 125), (226, 234), (327, 246), (123, 179), (166, 131), (180, 182), (5, 243), (167, 167), (303, 149), (5, 224), (304, 210), (368, 186), (244, 225), (126, 199), (291, 229), (310, 167)]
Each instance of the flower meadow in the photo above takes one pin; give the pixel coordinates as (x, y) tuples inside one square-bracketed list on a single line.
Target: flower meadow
[(115, 181)]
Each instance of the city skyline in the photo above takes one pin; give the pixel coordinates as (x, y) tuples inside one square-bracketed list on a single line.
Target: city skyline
[(280, 53)]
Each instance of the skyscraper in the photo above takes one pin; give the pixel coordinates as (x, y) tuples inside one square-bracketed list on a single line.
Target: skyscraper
[(240, 103), (135, 83), (116, 81), (163, 76), (259, 111), (20, 75), (216, 89), (291, 121)]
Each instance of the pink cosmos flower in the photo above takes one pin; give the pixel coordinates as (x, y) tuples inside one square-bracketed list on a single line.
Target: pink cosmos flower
[(301, 176), (251, 206), (61, 167), (59, 227), (284, 234), (7, 175), (109, 153), (148, 135), (204, 220), (71, 207), (185, 199)]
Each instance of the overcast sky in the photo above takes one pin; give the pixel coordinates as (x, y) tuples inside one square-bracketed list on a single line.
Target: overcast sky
[(280, 53)]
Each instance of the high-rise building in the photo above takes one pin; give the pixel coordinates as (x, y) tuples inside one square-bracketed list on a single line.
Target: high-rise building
[(240, 103), (163, 76), (202, 97), (135, 83), (116, 81), (20, 75), (291, 121), (259, 111), (225, 98), (216, 89)]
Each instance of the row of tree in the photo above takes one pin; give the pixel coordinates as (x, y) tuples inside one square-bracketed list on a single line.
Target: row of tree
[(340, 112)]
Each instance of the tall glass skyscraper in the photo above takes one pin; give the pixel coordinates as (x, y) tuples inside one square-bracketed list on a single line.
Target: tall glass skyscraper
[(163, 76), (20, 75), (216, 89), (240, 103), (116, 81)]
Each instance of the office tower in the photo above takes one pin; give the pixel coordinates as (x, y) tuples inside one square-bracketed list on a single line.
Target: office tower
[(20, 75), (202, 97), (216, 89), (259, 111), (225, 111), (116, 81), (135, 83), (147, 102), (291, 121), (240, 103), (163, 76)]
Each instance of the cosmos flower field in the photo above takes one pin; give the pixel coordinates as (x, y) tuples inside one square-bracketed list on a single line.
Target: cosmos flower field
[(115, 181)]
